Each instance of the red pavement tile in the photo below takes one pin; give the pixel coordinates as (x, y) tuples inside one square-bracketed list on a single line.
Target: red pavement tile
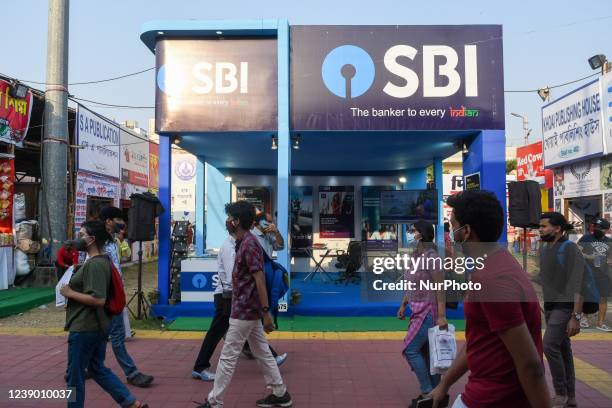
[(337, 374)]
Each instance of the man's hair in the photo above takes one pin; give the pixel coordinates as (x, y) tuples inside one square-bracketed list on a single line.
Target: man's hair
[(426, 230), (558, 220), (242, 211), (481, 210), (110, 213)]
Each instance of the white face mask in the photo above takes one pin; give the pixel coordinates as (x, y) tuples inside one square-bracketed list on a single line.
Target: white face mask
[(452, 235)]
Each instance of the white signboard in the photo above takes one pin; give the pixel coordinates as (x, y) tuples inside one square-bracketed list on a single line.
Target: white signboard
[(578, 179), (572, 127), (88, 185), (134, 159), (100, 140), (183, 186), (606, 87)]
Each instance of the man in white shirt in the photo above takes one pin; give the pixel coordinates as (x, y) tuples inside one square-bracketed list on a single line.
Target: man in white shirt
[(223, 305)]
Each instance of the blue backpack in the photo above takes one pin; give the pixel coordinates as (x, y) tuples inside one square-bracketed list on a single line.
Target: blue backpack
[(277, 284), (589, 290)]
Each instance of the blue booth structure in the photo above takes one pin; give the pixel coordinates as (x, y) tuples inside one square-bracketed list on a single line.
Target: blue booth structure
[(326, 109)]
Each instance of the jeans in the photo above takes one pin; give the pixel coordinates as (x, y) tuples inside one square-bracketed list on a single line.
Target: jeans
[(558, 351), (416, 357), (117, 338), (238, 333), (88, 349)]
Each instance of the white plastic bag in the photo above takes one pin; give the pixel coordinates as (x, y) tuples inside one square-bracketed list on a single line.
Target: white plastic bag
[(22, 266), (19, 207), (442, 349), (60, 300)]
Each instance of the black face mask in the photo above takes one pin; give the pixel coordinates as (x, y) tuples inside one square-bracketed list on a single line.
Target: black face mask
[(599, 234), (118, 227), (79, 245), (547, 237)]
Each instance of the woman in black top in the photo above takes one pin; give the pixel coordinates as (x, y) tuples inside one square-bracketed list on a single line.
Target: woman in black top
[(88, 322)]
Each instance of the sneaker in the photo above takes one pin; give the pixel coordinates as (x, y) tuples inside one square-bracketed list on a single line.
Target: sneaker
[(559, 401), (204, 404), (604, 328), (281, 359), (274, 401), (140, 380), (584, 323), (571, 402), (203, 375)]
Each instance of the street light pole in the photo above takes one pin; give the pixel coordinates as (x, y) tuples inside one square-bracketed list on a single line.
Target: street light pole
[(526, 130)]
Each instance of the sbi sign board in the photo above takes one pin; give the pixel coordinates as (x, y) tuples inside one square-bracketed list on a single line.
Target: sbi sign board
[(342, 78)]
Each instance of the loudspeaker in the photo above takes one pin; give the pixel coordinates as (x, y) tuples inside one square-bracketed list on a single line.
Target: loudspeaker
[(524, 204), (144, 209)]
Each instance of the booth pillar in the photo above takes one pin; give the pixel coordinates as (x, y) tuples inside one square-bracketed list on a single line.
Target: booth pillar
[(165, 239), (438, 181), (487, 156), (218, 192), (200, 216), (284, 143)]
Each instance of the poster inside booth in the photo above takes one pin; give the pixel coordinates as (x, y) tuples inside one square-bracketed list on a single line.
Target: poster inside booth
[(260, 197), (379, 236), (336, 215), (301, 218)]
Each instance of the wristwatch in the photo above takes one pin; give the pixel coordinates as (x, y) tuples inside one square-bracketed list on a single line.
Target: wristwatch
[(265, 309), (577, 316)]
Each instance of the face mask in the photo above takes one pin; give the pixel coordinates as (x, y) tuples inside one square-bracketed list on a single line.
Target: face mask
[(80, 244), (118, 227), (229, 225), (263, 224), (547, 237), (598, 234), (452, 235)]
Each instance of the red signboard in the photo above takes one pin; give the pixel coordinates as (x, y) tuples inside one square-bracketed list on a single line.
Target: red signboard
[(530, 162), (14, 115), (7, 192), (153, 165)]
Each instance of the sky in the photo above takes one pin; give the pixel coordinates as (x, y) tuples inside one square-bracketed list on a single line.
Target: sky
[(546, 42)]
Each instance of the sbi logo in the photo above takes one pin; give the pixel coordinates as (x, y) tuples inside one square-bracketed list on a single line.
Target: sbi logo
[(349, 71), (199, 281), (204, 78)]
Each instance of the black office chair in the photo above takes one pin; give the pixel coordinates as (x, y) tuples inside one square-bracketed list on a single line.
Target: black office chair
[(350, 260)]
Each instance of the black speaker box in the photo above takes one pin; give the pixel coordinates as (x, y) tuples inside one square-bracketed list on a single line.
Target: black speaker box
[(524, 204), (144, 209)]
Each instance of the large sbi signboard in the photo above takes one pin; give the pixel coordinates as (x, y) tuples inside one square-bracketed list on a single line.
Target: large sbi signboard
[(397, 77)]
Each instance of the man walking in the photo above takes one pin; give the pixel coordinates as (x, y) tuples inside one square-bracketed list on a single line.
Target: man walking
[(249, 306), (112, 217), (503, 343), (596, 249), (561, 272)]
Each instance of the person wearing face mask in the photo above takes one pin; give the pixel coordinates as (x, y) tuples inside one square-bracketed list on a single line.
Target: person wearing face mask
[(561, 287), (267, 234), (596, 249), (503, 339), (112, 217), (87, 320), (428, 309)]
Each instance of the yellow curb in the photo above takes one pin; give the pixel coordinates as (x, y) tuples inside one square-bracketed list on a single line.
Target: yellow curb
[(594, 377), (278, 335)]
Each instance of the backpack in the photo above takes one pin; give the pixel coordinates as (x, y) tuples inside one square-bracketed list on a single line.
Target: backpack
[(115, 300), (589, 290), (277, 284)]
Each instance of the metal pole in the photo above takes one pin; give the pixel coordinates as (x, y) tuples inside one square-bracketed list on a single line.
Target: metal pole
[(140, 294), (56, 140), (526, 130), (525, 249)]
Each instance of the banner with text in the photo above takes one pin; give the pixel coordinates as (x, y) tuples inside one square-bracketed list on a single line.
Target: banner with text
[(336, 215), (378, 236), (397, 77), (100, 140), (14, 115), (153, 165), (93, 186), (571, 126), (134, 159), (260, 197), (578, 179), (183, 186), (301, 219), (606, 87)]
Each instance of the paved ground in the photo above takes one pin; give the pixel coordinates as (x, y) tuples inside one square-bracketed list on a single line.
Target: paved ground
[(323, 370)]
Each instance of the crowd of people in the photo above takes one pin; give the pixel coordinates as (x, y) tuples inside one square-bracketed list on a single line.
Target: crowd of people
[(504, 346)]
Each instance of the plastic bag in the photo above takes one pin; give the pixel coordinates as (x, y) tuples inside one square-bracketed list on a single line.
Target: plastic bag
[(442, 349), (22, 266), (60, 300), (19, 207)]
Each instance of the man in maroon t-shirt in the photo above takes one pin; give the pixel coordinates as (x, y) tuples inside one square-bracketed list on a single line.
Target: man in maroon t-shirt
[(249, 306), (503, 350)]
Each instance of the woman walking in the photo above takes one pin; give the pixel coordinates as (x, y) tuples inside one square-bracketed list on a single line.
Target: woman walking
[(427, 308), (88, 322)]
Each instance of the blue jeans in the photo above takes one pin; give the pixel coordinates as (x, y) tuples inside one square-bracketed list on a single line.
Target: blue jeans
[(88, 349), (117, 338), (417, 354)]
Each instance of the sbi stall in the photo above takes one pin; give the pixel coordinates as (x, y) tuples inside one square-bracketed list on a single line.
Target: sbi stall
[(330, 130)]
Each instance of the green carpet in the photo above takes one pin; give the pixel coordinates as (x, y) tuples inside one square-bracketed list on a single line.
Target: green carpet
[(19, 300), (314, 324)]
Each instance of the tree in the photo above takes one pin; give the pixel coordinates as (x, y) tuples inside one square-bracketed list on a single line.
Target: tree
[(510, 166)]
